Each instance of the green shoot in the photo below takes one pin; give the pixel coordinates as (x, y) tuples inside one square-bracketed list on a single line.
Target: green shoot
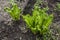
[(14, 11)]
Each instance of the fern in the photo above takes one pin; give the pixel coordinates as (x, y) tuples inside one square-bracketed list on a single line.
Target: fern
[(14, 11), (39, 21)]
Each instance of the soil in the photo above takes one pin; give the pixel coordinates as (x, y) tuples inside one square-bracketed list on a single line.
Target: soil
[(10, 30)]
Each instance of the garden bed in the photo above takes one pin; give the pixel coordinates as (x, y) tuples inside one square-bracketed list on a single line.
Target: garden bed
[(10, 30)]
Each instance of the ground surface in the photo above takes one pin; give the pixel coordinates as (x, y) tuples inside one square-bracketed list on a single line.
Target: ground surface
[(17, 30)]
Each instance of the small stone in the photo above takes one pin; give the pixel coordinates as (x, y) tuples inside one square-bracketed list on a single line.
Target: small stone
[(57, 34), (5, 38), (5, 22), (23, 29), (20, 38)]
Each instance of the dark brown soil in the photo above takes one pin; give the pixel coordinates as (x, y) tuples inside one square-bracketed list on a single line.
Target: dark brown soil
[(10, 30)]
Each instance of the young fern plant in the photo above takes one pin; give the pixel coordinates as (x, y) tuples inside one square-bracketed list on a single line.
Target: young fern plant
[(14, 11), (39, 21)]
